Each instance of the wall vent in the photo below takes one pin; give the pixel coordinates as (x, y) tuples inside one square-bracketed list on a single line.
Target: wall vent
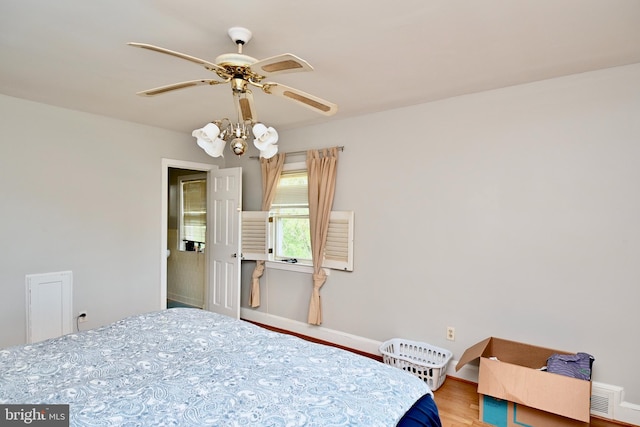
[(602, 405), (49, 305), (603, 399)]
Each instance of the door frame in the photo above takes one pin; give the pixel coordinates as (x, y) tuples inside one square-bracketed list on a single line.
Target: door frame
[(179, 164)]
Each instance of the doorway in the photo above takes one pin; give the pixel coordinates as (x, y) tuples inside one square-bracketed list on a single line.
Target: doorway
[(186, 238), (223, 229), (169, 239)]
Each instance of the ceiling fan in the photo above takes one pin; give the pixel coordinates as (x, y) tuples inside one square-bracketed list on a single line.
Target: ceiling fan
[(243, 72)]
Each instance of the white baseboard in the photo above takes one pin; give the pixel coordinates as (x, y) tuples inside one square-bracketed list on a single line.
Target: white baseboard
[(468, 372), (318, 332), (627, 413), (195, 302), (622, 411)]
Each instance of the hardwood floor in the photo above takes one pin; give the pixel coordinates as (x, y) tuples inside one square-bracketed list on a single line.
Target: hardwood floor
[(457, 402)]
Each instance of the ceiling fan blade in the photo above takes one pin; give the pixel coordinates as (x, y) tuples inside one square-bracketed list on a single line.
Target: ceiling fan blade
[(310, 101), (206, 64), (280, 64), (245, 106), (175, 86)]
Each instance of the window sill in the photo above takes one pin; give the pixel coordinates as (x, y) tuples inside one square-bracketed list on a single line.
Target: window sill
[(287, 266)]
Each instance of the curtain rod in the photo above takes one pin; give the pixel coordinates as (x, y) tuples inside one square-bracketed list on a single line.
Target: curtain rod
[(293, 153)]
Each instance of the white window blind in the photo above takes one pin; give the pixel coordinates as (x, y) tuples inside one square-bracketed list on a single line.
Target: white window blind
[(194, 210), (292, 191)]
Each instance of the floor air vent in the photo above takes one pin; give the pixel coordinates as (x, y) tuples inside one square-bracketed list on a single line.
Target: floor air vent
[(601, 406), (603, 398)]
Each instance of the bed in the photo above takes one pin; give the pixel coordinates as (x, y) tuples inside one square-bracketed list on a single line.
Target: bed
[(190, 367)]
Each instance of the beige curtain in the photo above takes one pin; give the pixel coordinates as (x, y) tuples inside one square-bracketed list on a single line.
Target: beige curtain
[(271, 171), (321, 168)]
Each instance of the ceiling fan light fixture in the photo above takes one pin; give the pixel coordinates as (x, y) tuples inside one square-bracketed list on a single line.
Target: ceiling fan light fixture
[(213, 137)]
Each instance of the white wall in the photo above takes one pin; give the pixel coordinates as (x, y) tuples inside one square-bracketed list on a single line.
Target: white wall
[(511, 213), (83, 193)]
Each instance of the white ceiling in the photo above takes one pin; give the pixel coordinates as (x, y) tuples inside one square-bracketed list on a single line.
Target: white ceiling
[(368, 56)]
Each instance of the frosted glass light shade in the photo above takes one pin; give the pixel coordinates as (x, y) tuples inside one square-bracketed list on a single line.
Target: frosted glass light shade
[(269, 152), (264, 136), (207, 139), (265, 140)]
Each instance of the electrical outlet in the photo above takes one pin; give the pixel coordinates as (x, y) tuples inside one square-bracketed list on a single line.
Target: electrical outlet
[(82, 316), (451, 333)]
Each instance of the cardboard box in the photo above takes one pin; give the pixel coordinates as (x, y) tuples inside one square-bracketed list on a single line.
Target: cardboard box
[(502, 413), (516, 377)]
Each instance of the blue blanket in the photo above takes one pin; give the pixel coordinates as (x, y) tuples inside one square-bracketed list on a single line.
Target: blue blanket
[(188, 367)]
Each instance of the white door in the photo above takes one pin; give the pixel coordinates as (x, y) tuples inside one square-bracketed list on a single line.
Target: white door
[(223, 241)]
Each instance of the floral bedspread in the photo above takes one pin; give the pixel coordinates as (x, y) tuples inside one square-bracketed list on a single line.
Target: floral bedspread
[(189, 367)]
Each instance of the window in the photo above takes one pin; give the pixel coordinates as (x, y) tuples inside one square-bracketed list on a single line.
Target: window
[(283, 233), (193, 212), (290, 213)]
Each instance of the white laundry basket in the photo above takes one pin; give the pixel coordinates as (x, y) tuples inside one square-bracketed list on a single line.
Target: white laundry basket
[(425, 361)]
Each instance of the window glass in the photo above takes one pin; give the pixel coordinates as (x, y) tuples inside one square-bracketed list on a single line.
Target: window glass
[(193, 215), (290, 211)]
